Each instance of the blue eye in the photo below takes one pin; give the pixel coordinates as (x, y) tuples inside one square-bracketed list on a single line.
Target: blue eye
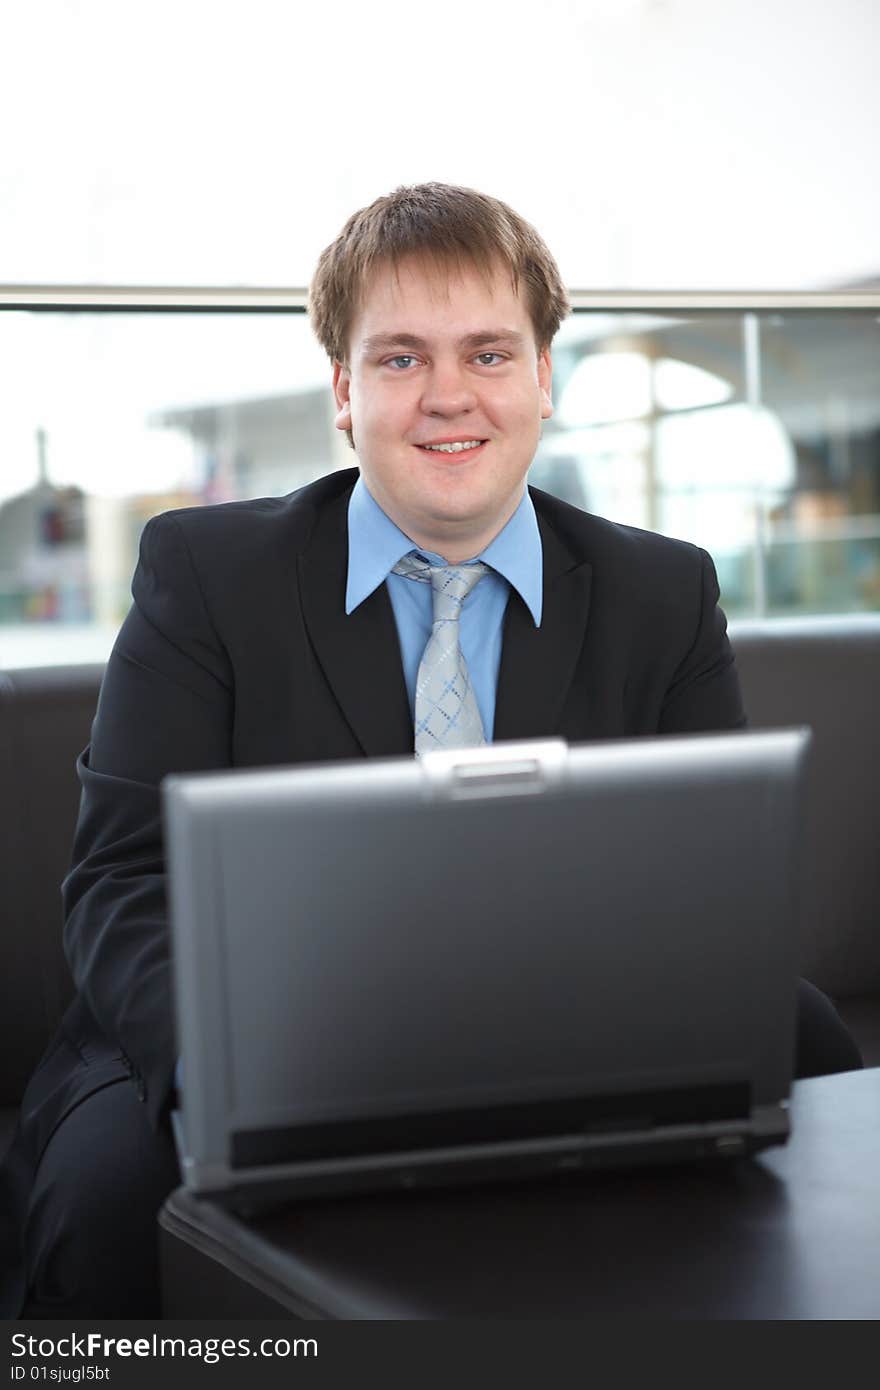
[(404, 358)]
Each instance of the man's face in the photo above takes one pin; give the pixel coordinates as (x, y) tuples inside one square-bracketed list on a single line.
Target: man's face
[(439, 358)]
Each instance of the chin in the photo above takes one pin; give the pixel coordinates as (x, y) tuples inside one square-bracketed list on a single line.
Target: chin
[(452, 511)]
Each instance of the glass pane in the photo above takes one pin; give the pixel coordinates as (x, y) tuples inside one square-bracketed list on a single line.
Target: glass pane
[(656, 426), (769, 459), (109, 418), (820, 378)]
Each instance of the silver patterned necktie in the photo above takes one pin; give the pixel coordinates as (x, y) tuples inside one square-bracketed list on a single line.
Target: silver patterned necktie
[(446, 712)]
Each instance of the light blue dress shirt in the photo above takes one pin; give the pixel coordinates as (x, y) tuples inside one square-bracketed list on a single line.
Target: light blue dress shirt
[(375, 545)]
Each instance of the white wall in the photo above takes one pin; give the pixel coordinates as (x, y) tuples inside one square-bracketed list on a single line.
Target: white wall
[(656, 143)]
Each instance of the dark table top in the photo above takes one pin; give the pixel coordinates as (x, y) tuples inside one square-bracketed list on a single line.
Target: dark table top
[(793, 1233)]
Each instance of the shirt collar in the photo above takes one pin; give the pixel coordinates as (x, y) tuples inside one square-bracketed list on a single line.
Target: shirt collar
[(375, 545)]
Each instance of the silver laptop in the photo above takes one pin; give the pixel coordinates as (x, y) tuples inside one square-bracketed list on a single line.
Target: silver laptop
[(498, 963)]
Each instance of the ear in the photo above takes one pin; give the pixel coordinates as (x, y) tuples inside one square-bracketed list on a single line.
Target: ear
[(545, 382), (342, 396)]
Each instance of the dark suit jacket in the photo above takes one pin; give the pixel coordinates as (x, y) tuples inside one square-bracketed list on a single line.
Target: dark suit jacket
[(237, 652)]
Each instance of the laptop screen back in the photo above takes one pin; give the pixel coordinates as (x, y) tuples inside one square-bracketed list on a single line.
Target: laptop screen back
[(367, 953)]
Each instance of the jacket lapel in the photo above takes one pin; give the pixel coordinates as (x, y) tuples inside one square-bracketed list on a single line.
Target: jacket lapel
[(359, 652), (538, 664)]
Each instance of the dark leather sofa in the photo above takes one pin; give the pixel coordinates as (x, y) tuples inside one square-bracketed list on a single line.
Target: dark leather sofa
[(45, 717), (821, 672)]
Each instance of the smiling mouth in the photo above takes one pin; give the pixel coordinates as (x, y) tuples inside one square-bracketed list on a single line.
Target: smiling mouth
[(459, 450)]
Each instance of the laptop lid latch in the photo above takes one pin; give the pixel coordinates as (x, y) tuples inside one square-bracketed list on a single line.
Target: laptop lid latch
[(495, 770)]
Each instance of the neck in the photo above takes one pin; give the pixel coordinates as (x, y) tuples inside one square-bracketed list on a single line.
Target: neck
[(453, 544)]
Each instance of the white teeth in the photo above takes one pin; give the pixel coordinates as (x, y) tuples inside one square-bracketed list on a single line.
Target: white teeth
[(454, 448)]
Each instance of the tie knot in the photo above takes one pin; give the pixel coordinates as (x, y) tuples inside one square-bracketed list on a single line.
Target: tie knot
[(451, 583)]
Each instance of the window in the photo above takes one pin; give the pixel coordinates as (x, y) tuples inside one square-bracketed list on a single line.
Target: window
[(754, 432)]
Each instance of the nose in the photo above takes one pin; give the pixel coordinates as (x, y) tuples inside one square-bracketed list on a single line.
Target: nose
[(447, 391)]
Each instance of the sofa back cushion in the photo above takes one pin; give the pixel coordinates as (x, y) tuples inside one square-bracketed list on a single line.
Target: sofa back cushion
[(825, 672), (45, 721)]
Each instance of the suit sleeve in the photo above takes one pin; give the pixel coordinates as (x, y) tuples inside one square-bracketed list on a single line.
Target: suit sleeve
[(704, 693), (165, 706)]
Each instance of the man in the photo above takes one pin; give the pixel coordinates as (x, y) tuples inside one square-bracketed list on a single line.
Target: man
[(303, 628)]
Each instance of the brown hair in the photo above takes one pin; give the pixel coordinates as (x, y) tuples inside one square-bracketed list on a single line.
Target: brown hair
[(447, 225)]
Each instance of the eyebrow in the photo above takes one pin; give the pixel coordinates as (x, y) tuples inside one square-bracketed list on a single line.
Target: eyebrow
[(381, 342)]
